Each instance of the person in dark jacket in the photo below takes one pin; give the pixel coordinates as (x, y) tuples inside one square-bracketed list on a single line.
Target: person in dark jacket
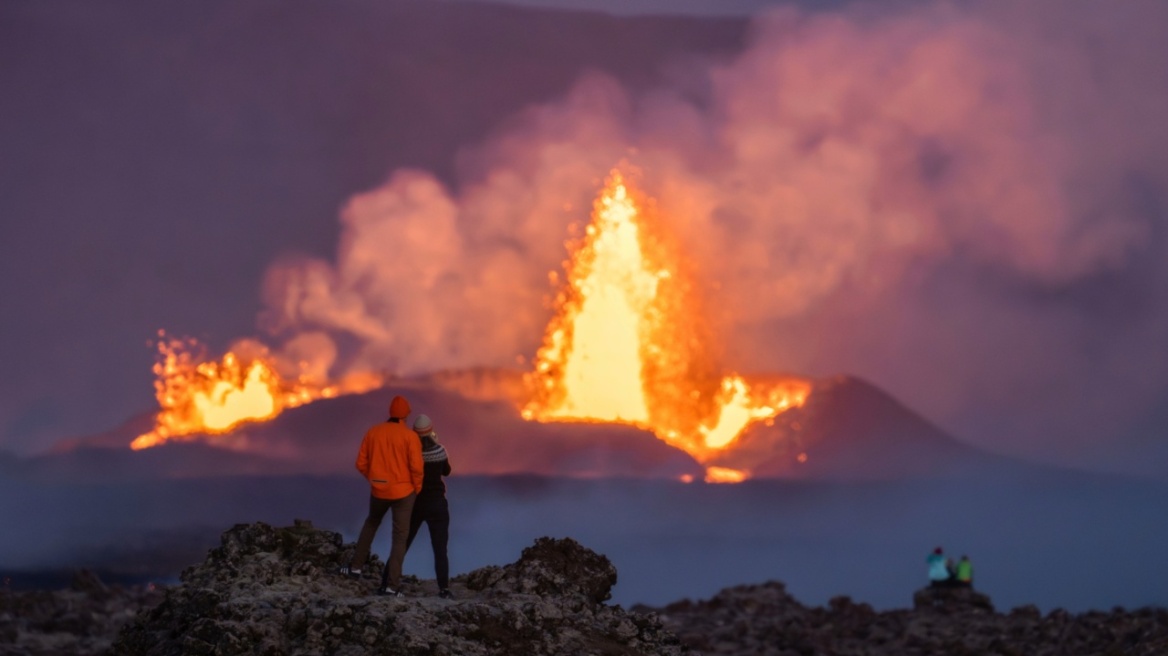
[(430, 507)]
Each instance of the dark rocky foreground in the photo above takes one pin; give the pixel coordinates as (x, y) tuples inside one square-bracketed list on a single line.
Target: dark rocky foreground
[(764, 619), (83, 619), (271, 591)]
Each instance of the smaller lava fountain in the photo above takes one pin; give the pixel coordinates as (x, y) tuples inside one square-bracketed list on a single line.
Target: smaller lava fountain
[(628, 342), (201, 396)]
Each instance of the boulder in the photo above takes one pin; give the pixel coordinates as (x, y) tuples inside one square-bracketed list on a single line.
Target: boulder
[(85, 580), (551, 567), (952, 600)]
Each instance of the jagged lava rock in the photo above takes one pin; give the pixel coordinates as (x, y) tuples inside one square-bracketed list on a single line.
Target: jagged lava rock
[(764, 619), (952, 600), (550, 567), (80, 621), (268, 590)]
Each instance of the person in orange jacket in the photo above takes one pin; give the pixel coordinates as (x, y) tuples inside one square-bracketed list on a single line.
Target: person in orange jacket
[(390, 458)]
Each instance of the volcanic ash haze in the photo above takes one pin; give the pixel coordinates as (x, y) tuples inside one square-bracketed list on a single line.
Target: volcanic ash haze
[(941, 198)]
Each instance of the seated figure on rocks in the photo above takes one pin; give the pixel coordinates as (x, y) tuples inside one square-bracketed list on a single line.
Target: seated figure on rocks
[(964, 574), (390, 458), (430, 507), (939, 575)]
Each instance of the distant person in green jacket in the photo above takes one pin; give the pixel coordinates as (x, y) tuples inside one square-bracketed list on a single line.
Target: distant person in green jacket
[(965, 572)]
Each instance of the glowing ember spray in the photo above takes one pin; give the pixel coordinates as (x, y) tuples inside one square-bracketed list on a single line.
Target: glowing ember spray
[(628, 342), (201, 396)]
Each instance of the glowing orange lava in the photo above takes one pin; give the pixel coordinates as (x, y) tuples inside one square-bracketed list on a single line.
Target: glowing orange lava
[(724, 475), (200, 396), (628, 342)]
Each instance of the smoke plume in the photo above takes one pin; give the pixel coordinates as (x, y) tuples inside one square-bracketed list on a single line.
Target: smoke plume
[(962, 203)]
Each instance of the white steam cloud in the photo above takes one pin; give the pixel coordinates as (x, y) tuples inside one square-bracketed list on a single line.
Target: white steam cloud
[(941, 200)]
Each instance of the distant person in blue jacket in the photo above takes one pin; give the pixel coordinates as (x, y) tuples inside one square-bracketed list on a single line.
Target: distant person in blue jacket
[(939, 574)]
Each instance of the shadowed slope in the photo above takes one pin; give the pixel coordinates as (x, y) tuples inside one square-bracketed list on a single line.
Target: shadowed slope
[(850, 429), (847, 430)]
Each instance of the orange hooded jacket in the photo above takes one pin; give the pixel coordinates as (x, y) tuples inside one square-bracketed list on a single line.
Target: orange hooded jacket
[(390, 457)]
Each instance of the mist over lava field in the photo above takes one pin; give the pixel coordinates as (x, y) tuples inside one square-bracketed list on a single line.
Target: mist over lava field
[(1069, 541), (918, 248)]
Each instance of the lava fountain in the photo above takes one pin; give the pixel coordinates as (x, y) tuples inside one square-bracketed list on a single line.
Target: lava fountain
[(201, 396), (628, 342)]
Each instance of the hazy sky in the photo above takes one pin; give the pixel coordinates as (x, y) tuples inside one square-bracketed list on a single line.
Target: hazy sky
[(964, 204), (687, 7)]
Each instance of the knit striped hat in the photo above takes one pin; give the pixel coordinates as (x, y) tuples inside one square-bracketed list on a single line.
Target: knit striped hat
[(423, 425)]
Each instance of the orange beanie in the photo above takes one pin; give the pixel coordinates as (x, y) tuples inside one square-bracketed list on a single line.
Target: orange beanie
[(399, 408)]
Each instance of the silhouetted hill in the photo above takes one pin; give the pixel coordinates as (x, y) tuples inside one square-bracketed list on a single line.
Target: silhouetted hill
[(851, 429), (847, 430), (482, 436)]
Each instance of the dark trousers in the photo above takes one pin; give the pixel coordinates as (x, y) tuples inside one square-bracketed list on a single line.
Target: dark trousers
[(435, 514), (402, 509)]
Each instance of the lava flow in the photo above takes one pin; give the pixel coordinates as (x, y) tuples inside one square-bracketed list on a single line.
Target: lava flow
[(197, 396), (628, 343)]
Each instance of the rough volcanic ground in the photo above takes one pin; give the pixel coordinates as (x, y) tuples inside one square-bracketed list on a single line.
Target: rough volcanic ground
[(83, 619), (269, 590), (276, 591), (765, 619)]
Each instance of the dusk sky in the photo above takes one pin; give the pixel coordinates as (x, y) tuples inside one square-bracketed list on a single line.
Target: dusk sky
[(964, 203), (683, 7)]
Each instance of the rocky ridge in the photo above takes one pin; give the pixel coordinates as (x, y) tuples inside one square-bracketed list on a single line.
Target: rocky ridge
[(766, 620), (268, 590), (81, 620)]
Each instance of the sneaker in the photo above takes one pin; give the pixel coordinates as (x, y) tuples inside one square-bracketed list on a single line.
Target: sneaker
[(389, 592), (350, 572), (445, 593)]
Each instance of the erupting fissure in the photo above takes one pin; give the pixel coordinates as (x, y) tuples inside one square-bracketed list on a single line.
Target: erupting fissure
[(628, 342), (197, 396)]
